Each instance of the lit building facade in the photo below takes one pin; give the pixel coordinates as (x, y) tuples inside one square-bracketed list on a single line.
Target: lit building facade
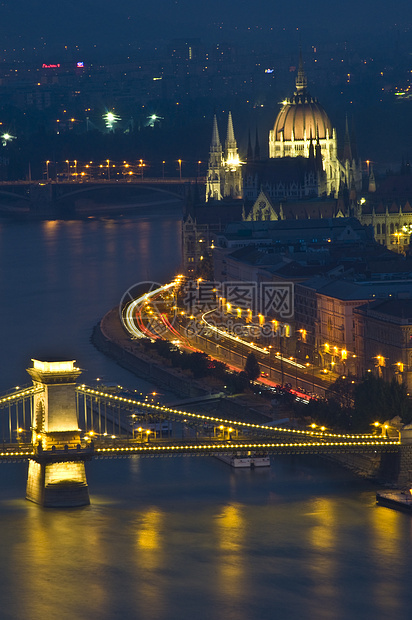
[(383, 336), (301, 121), (224, 175), (302, 131)]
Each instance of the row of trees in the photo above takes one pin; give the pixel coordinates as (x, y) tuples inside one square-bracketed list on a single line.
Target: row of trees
[(351, 406), (201, 365)]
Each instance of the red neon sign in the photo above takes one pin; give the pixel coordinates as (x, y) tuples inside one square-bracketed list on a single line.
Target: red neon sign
[(44, 66)]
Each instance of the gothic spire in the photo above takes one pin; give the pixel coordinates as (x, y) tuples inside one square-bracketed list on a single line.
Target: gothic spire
[(230, 136), (371, 181), (311, 147), (215, 135), (353, 142), (301, 79), (347, 151), (257, 146), (249, 155), (318, 151)]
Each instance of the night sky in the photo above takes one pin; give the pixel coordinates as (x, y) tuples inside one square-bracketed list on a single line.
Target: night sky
[(110, 24)]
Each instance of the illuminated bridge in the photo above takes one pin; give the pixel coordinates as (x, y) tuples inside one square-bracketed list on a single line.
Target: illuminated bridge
[(22, 197), (115, 425), (58, 425)]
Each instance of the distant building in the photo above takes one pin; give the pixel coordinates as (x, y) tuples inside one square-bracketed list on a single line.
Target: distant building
[(200, 229), (383, 336), (336, 337), (224, 175), (303, 156), (387, 208), (266, 209)]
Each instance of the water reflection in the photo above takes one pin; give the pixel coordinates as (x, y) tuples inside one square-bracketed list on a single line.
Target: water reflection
[(57, 551), (323, 535), (388, 547), (150, 561), (231, 562)]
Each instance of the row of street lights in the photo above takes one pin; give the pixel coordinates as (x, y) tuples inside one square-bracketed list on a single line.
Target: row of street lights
[(125, 169)]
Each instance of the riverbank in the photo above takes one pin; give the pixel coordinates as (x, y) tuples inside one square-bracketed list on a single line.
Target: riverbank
[(111, 338)]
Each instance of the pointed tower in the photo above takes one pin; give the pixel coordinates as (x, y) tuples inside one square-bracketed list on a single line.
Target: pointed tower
[(311, 149), (318, 152), (231, 154), (249, 155), (215, 168), (301, 81), (354, 142), (233, 184), (372, 182), (347, 151), (257, 146)]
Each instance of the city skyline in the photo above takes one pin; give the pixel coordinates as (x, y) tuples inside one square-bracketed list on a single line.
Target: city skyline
[(102, 23)]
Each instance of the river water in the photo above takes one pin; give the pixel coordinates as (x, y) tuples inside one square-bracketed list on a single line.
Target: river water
[(172, 538)]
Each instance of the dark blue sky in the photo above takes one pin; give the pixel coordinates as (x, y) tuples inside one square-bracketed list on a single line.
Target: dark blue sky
[(112, 22)]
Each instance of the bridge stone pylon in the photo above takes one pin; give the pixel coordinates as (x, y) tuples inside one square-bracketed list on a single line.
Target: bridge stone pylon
[(56, 475)]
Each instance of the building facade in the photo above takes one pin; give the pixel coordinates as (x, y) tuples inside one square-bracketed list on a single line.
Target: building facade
[(383, 336), (303, 138)]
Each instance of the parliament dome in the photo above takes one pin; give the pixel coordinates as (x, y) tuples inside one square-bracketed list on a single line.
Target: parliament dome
[(300, 118)]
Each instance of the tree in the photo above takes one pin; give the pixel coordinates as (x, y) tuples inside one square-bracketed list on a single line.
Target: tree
[(377, 400), (342, 391), (199, 364), (252, 368)]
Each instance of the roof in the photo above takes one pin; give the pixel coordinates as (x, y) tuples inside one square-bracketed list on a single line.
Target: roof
[(323, 225), (395, 308), (302, 115), (217, 212), (283, 169), (396, 185), (346, 290)]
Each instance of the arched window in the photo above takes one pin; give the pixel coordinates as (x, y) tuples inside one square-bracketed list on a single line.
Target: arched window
[(392, 229), (378, 229), (383, 229)]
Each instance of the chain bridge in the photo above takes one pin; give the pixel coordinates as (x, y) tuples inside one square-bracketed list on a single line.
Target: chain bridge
[(57, 425)]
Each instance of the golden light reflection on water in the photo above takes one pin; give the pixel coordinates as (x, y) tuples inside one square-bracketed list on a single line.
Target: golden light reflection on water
[(323, 540), (150, 559), (51, 230), (53, 554), (231, 563), (387, 546)]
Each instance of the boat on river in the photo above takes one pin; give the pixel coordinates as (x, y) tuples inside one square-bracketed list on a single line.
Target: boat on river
[(249, 460)]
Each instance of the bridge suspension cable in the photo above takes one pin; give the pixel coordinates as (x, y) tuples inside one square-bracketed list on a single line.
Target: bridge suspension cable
[(247, 426)]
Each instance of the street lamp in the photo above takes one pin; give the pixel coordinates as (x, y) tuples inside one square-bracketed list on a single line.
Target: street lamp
[(68, 169), (180, 168), (108, 169), (47, 170), (163, 169)]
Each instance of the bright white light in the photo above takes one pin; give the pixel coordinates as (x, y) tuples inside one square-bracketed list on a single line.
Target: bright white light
[(152, 119), (6, 137), (110, 119)]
